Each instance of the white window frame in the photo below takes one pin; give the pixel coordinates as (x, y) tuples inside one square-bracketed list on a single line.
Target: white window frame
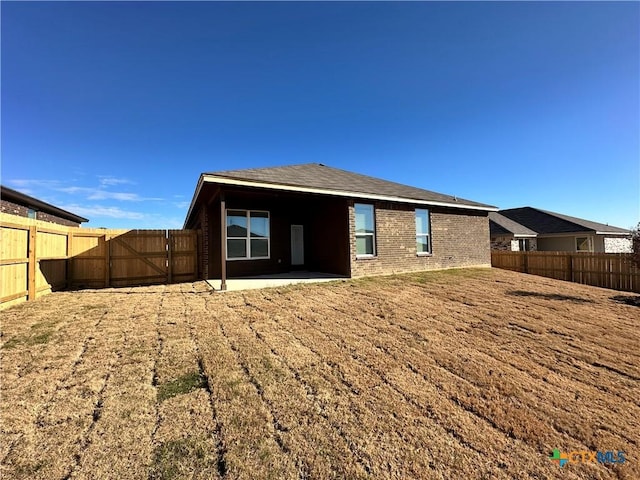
[(428, 234), (247, 238), (589, 242), (524, 242), (364, 235)]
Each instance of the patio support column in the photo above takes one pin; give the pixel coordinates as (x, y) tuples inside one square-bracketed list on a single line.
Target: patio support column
[(223, 243)]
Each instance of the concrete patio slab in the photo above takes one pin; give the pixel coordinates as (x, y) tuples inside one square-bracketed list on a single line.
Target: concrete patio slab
[(276, 280)]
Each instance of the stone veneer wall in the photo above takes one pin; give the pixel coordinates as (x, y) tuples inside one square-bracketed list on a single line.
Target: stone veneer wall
[(617, 245), (20, 210), (460, 238), (501, 243), (510, 244)]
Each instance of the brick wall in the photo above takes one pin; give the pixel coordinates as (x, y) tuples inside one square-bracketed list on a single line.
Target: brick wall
[(459, 239), (204, 253), (20, 210)]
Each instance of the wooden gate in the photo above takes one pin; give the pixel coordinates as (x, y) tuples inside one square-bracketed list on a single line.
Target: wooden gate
[(37, 257), (138, 257), (152, 256)]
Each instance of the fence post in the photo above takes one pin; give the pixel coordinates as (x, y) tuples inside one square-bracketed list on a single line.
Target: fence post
[(570, 275), (525, 262), (107, 261), (31, 272), (69, 258), (169, 257)]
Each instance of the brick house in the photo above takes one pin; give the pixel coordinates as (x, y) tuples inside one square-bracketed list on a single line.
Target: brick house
[(533, 229), (317, 218), (22, 205), (511, 236)]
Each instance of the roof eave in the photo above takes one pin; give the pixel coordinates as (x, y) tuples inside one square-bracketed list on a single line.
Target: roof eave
[(40, 205), (324, 191), (622, 234), (196, 193)]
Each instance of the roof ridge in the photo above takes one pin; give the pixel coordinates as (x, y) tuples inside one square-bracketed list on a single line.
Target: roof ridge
[(560, 216), (582, 224)]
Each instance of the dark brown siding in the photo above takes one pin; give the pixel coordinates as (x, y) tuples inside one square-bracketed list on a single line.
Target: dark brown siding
[(325, 225), (326, 238), (459, 239)]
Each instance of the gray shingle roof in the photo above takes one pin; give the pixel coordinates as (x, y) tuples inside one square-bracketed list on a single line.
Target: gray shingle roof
[(20, 198), (501, 225), (317, 175), (546, 222)]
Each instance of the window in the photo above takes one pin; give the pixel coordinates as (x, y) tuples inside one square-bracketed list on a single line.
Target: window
[(423, 230), (31, 213), (583, 244), (247, 234), (524, 244), (365, 231)]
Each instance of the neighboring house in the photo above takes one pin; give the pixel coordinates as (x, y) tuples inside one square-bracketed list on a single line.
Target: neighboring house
[(17, 203), (509, 235), (529, 228), (318, 218)]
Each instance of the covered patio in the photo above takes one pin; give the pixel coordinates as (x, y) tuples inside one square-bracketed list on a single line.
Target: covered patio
[(253, 238)]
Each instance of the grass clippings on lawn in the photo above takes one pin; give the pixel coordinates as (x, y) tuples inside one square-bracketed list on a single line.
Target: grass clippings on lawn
[(455, 374)]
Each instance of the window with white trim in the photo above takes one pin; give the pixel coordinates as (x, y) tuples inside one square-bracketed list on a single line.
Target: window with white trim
[(423, 232), (365, 230), (248, 235), (583, 244)]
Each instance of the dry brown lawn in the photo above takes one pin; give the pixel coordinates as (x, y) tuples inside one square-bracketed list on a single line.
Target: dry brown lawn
[(455, 375)]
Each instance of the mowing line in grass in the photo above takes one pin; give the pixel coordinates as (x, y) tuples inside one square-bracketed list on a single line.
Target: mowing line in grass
[(471, 372), (246, 426), (59, 423), (121, 438), (411, 460), (188, 442), (302, 428), (307, 316), (601, 438), (420, 376)]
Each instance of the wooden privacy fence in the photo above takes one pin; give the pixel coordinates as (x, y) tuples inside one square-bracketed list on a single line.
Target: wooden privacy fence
[(37, 258), (608, 270)]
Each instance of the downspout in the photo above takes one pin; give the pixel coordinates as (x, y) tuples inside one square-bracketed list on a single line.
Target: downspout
[(223, 243)]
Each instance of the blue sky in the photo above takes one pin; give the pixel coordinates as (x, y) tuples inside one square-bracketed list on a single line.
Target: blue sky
[(112, 110)]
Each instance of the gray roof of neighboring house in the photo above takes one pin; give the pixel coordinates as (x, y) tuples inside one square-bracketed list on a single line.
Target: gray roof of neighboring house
[(20, 198), (546, 222), (317, 175), (501, 225)]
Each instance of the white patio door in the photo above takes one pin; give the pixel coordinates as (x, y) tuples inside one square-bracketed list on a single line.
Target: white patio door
[(297, 245)]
